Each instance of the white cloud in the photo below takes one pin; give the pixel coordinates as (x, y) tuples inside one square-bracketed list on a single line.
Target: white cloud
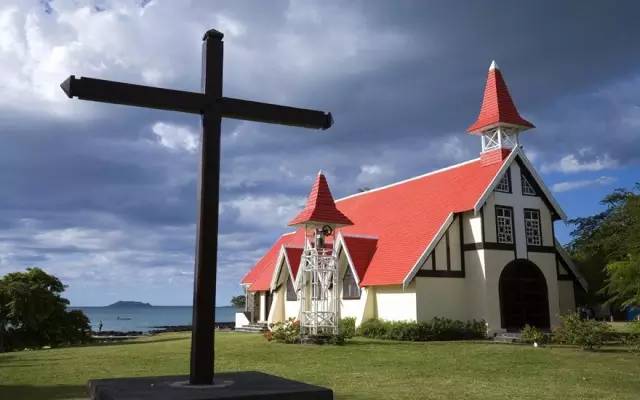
[(374, 174), (176, 137), (572, 164), (573, 185), (266, 211)]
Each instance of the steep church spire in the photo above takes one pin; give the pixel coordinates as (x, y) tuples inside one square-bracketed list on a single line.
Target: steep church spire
[(320, 208), (499, 121)]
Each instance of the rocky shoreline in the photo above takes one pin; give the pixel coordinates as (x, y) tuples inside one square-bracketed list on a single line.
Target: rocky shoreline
[(160, 329)]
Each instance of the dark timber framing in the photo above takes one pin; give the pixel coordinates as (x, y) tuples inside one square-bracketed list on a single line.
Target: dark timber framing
[(446, 236), (212, 107), (461, 228), (448, 273)]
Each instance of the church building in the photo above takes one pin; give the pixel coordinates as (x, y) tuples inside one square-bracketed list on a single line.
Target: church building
[(474, 240)]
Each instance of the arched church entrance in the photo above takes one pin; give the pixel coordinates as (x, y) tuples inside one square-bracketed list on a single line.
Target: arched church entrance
[(523, 296)]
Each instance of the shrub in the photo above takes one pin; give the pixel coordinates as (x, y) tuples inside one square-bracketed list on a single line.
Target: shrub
[(531, 334), (436, 329), (348, 327), (633, 338), (286, 331), (586, 333)]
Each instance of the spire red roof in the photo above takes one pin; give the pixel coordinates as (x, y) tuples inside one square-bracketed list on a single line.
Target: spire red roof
[(320, 206), (497, 105)]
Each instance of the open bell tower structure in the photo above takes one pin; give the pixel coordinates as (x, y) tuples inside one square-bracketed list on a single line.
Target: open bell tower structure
[(499, 123), (319, 283)]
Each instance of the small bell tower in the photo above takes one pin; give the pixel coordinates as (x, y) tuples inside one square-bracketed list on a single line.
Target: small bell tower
[(319, 288), (499, 124)]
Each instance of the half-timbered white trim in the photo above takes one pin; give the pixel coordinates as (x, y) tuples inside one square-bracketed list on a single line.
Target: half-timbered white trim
[(430, 247)]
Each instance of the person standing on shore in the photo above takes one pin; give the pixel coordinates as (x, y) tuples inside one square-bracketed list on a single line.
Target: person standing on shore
[(100, 326)]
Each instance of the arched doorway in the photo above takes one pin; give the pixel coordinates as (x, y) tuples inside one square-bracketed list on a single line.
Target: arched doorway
[(523, 296)]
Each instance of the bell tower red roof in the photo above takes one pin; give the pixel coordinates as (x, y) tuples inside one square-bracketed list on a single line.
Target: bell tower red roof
[(320, 208), (497, 106)]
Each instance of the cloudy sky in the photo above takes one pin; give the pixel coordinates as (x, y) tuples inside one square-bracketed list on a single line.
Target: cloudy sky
[(103, 196)]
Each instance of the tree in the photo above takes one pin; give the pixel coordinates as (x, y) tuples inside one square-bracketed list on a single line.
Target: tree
[(239, 302), (607, 248), (33, 312)]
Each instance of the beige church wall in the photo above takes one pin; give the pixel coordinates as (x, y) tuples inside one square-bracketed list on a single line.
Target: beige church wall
[(441, 255), (472, 227), (276, 311), (567, 298), (546, 262), (495, 261), (475, 284), (440, 297), (394, 303), (454, 244), (368, 301)]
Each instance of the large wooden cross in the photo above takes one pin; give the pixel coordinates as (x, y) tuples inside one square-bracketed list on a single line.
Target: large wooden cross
[(212, 106)]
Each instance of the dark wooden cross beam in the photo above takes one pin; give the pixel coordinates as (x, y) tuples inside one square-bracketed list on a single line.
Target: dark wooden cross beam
[(212, 106)]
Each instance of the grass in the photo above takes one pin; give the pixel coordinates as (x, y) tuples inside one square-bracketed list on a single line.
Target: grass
[(363, 369)]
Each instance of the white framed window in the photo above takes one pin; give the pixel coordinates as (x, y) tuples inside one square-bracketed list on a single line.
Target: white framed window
[(504, 224), (350, 289), (527, 188), (532, 227), (505, 183)]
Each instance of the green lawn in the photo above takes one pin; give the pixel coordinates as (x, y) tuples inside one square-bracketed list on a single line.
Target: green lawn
[(363, 369)]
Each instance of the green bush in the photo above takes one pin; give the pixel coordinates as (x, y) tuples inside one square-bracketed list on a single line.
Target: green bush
[(285, 331), (347, 327), (633, 338), (531, 334), (586, 333), (436, 329)]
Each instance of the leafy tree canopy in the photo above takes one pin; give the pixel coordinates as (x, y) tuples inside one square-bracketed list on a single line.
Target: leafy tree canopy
[(34, 313), (607, 247)]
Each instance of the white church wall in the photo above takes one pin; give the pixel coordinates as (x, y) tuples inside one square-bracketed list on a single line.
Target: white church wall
[(475, 284), (495, 261), (472, 226), (263, 307), (547, 264), (290, 308), (440, 297), (394, 303), (351, 308), (566, 296)]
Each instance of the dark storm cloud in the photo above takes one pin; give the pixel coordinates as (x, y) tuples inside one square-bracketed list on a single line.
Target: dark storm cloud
[(90, 188)]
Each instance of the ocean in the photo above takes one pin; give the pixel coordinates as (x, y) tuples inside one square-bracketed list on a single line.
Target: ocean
[(146, 318)]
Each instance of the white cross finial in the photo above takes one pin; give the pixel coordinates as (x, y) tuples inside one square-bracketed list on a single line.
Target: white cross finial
[(320, 172), (494, 65)]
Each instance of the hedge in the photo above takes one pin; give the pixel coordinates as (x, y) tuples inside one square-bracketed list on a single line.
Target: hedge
[(436, 329)]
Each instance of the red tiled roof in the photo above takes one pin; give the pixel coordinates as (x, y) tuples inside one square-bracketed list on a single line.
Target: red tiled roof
[(361, 250), (404, 217), (293, 255), (320, 206), (497, 105), (259, 278)]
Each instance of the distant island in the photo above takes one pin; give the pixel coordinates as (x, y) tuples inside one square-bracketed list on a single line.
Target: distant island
[(123, 304)]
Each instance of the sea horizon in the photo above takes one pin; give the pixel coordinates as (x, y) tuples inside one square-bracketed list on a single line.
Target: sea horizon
[(146, 318)]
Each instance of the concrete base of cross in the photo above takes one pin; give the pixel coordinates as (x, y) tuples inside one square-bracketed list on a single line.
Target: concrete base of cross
[(234, 385)]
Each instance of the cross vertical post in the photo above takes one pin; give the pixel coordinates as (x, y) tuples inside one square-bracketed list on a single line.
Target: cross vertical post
[(204, 284), (212, 107)]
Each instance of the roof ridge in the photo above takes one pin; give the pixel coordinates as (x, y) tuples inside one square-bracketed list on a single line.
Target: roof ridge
[(437, 171), (360, 236)]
